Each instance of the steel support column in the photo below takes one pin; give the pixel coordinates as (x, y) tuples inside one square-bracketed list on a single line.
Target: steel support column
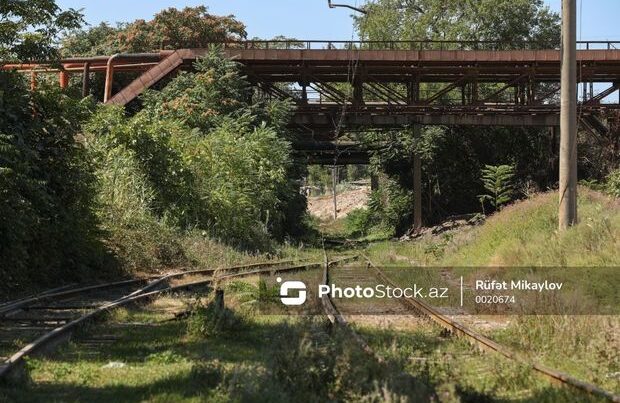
[(335, 172), (33, 80), (414, 95), (358, 91), (374, 182), (417, 183)]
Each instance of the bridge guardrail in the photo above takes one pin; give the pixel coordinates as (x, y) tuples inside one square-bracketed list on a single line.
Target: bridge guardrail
[(293, 44)]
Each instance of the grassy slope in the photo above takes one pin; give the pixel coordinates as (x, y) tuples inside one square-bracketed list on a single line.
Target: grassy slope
[(522, 234), (526, 234)]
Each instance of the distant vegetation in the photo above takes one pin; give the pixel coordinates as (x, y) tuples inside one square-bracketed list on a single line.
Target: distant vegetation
[(191, 27)]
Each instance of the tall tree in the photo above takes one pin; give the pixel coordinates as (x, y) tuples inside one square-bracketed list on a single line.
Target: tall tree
[(47, 227), (191, 27), (512, 22), (29, 29)]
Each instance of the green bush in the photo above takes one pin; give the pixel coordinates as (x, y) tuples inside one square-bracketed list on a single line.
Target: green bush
[(241, 175), (209, 160), (497, 180), (47, 222), (211, 319), (391, 207), (125, 198), (157, 148), (358, 222), (612, 184)]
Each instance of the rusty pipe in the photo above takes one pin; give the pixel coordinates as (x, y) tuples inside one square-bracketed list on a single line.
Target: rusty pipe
[(98, 67), (109, 77), (124, 56)]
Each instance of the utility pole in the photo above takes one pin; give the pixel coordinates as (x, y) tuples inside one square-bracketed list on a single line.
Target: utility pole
[(334, 185), (568, 117)]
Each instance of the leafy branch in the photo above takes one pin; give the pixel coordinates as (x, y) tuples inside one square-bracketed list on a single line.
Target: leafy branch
[(498, 182)]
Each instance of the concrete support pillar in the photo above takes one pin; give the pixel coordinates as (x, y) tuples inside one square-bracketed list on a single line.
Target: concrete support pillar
[(568, 117), (554, 135), (86, 80)]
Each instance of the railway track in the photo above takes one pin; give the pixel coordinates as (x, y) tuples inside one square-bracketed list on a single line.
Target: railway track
[(39, 323), (453, 327)]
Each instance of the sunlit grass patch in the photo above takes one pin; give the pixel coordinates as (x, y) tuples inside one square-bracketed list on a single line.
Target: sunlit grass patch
[(524, 233)]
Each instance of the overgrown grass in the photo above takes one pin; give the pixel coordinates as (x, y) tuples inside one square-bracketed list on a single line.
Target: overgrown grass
[(587, 347), (269, 359), (458, 372), (525, 234), (522, 234)]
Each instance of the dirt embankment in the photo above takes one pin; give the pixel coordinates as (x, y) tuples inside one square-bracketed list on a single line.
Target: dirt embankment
[(347, 201)]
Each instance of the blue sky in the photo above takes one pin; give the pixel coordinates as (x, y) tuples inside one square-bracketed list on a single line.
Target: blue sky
[(310, 19)]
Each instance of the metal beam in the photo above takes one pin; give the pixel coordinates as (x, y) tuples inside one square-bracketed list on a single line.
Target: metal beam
[(397, 120)]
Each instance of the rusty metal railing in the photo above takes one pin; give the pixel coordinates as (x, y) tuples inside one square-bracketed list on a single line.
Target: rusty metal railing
[(292, 44)]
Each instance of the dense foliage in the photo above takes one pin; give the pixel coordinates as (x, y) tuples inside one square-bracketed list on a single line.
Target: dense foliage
[(191, 27), (209, 160), (47, 225), (30, 28), (85, 188)]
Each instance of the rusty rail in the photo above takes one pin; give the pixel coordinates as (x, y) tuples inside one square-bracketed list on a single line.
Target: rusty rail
[(16, 360), (486, 344)]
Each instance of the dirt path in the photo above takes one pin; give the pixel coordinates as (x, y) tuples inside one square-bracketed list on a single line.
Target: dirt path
[(323, 207)]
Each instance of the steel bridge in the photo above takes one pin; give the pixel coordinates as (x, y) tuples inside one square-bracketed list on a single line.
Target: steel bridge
[(343, 86)]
